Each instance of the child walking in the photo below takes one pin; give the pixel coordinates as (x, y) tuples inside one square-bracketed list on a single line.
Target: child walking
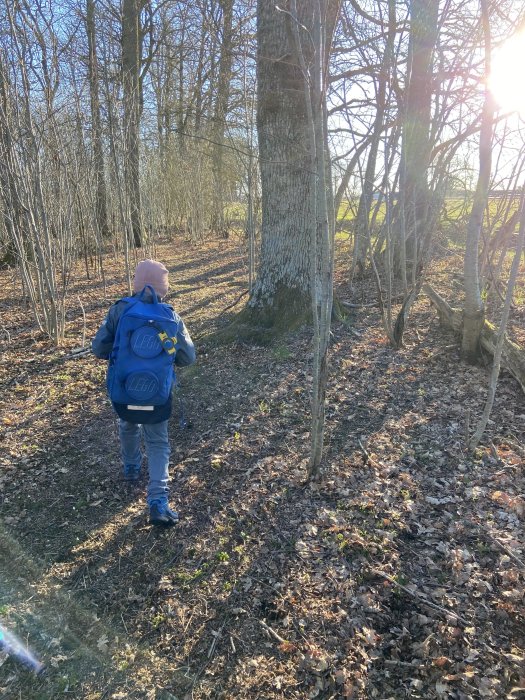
[(150, 285)]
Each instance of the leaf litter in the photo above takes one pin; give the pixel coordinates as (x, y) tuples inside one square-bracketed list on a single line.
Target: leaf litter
[(399, 574)]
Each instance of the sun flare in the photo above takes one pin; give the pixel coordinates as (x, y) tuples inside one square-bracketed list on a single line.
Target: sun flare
[(506, 79)]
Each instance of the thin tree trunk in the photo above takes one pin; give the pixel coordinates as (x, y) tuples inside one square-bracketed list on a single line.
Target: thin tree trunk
[(322, 226), (498, 350), (101, 217), (131, 62), (219, 118), (474, 310), (365, 200)]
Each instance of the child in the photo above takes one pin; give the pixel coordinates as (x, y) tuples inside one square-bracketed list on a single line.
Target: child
[(154, 421)]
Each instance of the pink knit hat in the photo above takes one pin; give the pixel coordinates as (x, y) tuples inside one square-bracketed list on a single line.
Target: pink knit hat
[(154, 273)]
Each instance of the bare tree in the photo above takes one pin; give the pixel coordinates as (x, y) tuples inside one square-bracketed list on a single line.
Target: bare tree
[(282, 292), (415, 153), (219, 116), (133, 33), (96, 127), (498, 349), (369, 179), (474, 310), (38, 171)]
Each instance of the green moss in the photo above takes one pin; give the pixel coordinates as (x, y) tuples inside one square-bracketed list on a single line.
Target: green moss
[(287, 310)]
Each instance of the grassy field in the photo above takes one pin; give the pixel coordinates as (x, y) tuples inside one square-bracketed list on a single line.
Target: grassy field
[(452, 220)]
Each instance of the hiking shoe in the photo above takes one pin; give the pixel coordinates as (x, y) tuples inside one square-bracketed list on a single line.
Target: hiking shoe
[(161, 515), (131, 472)]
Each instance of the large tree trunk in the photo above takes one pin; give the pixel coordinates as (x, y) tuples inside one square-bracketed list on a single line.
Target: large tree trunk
[(282, 289), (101, 214), (131, 63), (416, 148)]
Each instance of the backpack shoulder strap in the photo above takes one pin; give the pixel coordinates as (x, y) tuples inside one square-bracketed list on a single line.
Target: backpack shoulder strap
[(130, 303)]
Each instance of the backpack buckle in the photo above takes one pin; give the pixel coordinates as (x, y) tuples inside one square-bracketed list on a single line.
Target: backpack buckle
[(168, 343)]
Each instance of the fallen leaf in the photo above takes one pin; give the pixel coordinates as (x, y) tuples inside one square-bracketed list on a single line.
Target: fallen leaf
[(102, 643), (441, 661)]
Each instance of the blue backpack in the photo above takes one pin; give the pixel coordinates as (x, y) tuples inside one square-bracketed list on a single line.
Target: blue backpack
[(140, 373)]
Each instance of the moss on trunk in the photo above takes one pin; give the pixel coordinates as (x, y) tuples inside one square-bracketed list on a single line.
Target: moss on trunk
[(263, 321)]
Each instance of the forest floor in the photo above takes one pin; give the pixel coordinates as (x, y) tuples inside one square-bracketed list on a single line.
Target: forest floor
[(400, 574)]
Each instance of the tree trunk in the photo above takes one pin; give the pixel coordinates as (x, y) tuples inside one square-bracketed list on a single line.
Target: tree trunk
[(415, 153), (131, 62), (282, 289), (474, 310), (513, 356), (500, 338), (322, 226), (101, 214), (365, 200), (219, 118)]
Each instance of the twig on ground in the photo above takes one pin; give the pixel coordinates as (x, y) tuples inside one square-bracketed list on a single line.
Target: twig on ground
[(507, 550), (122, 618), (211, 652), (368, 458), (230, 306), (494, 453), (214, 643), (441, 351), (78, 352), (348, 305), (272, 632), (421, 598), (269, 585), (403, 664)]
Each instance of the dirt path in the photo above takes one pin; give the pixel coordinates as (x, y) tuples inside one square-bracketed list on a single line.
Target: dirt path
[(400, 575)]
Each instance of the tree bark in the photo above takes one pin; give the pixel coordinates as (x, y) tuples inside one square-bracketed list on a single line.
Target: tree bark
[(219, 118), (474, 309), (513, 356), (101, 214), (131, 63), (416, 147), (282, 288)]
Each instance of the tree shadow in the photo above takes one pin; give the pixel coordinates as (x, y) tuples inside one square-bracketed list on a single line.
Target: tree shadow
[(267, 587)]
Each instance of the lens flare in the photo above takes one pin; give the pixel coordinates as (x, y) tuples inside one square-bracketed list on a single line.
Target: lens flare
[(505, 80), (14, 647)]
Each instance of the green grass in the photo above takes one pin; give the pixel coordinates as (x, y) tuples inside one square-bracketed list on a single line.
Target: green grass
[(281, 352), (235, 211), (455, 214)]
